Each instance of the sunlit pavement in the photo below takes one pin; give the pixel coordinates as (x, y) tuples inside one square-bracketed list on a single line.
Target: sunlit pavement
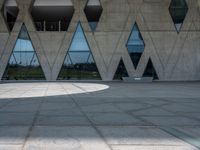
[(100, 116)]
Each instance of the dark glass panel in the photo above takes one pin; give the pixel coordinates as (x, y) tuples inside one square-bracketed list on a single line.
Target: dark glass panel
[(10, 12), (93, 25), (135, 45), (121, 71), (52, 18), (93, 11), (150, 71), (178, 10)]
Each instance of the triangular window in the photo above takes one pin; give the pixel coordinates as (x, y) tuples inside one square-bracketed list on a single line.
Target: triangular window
[(79, 63), (150, 71), (121, 71), (23, 63)]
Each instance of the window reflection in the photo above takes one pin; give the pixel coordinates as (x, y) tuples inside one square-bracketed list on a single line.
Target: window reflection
[(79, 63), (135, 45), (23, 63)]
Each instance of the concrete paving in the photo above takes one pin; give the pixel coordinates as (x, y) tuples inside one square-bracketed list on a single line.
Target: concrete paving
[(100, 116)]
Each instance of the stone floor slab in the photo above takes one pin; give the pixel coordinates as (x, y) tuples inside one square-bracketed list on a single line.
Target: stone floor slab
[(65, 138), (131, 135), (113, 119), (16, 119), (13, 135), (172, 121), (142, 147), (99, 116), (61, 120), (106, 107), (153, 112), (11, 147)]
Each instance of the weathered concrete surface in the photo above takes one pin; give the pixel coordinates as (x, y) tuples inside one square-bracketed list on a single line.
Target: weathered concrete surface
[(174, 56), (99, 116)]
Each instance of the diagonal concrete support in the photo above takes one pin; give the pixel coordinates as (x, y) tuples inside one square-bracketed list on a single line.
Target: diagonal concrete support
[(24, 17)]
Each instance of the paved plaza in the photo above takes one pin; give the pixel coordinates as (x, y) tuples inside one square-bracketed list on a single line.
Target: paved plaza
[(100, 116)]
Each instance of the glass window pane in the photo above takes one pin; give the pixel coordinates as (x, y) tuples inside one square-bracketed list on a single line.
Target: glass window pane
[(135, 45), (178, 10), (79, 42), (79, 63), (23, 63), (93, 11), (79, 57)]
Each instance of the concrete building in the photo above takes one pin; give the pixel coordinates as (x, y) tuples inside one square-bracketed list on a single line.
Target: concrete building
[(135, 38)]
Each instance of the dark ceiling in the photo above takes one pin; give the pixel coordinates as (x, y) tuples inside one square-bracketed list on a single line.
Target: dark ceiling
[(52, 13)]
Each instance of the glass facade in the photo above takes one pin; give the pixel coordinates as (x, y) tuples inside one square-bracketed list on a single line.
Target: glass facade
[(150, 71), (93, 11), (23, 63), (121, 71), (178, 10), (135, 45), (79, 63)]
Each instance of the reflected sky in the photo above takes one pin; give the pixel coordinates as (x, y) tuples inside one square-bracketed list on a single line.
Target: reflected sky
[(79, 62), (135, 43), (23, 45), (79, 42), (23, 52), (79, 51)]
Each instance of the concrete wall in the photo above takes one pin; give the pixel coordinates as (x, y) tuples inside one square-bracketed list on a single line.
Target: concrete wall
[(174, 56)]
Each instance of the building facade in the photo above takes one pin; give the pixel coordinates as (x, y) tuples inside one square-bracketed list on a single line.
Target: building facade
[(99, 39)]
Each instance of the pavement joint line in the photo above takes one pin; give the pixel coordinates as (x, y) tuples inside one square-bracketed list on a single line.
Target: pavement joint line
[(27, 90), (80, 88), (12, 144), (91, 123), (102, 125), (176, 113), (183, 136), (190, 117), (180, 114), (146, 108), (141, 119), (7, 91), (11, 101), (32, 125), (146, 145)]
